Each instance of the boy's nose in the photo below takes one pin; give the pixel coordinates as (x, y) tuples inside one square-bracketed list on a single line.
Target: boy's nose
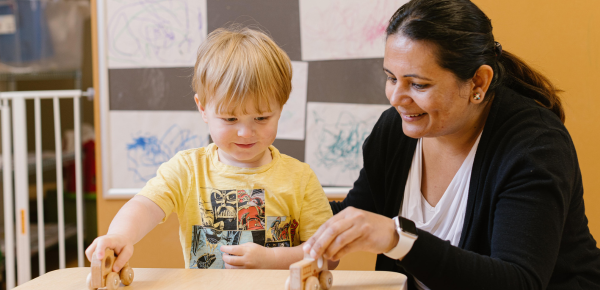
[(245, 132)]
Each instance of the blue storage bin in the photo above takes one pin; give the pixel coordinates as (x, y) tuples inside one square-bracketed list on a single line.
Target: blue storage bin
[(32, 40)]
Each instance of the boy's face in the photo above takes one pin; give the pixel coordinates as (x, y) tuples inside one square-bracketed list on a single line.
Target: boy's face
[(243, 139)]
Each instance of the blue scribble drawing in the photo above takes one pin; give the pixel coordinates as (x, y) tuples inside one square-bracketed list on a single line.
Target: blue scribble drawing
[(147, 151), (155, 32), (334, 137), (340, 143)]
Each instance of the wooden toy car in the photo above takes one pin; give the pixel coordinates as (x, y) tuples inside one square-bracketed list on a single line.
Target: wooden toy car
[(102, 275), (309, 274)]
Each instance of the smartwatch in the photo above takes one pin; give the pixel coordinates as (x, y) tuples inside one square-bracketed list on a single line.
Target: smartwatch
[(407, 234)]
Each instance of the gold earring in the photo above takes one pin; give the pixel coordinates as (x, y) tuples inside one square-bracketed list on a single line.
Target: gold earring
[(477, 96)]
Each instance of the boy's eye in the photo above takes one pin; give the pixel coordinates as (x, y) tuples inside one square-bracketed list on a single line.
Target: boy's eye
[(261, 118), (230, 119)]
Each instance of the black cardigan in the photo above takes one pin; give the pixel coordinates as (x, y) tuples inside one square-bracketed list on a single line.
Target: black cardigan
[(525, 225)]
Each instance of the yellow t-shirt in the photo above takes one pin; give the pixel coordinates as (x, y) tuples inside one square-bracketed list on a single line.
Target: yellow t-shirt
[(278, 204)]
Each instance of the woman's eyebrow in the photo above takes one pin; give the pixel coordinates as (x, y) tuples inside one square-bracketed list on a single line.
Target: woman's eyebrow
[(416, 76), (408, 76)]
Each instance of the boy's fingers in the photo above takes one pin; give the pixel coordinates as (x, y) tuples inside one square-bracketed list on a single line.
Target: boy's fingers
[(104, 244), (89, 252), (122, 258), (101, 247), (233, 260), (236, 250), (227, 266)]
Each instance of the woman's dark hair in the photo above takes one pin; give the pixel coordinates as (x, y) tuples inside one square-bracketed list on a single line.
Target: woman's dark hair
[(464, 40)]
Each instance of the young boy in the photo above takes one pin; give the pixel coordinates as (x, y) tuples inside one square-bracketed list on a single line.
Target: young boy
[(240, 203)]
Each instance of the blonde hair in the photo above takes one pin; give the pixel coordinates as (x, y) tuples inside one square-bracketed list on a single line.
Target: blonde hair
[(236, 65)]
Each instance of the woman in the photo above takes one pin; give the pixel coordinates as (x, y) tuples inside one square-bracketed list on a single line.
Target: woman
[(475, 154)]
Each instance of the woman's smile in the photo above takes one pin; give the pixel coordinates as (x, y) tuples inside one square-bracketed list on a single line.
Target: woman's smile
[(412, 117)]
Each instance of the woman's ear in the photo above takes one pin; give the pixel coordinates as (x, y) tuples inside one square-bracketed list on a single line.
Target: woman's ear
[(201, 109), (481, 83)]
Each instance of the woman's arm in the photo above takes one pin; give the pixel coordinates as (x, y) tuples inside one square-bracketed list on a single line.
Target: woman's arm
[(518, 247), (518, 250)]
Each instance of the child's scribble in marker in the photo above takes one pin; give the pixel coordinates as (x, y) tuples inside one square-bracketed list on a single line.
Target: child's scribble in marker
[(340, 143), (147, 151), (154, 31)]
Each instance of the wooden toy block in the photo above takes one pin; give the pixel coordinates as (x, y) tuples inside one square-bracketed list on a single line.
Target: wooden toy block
[(102, 275), (309, 274)]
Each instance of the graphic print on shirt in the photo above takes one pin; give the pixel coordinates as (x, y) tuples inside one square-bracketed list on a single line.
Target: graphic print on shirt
[(251, 209), (207, 216), (224, 205), (227, 217), (206, 244), (278, 231), (293, 228)]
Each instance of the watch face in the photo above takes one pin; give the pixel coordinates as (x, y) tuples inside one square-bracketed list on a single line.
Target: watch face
[(408, 226)]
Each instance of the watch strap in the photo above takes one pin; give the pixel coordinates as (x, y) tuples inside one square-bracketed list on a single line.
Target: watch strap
[(405, 243)]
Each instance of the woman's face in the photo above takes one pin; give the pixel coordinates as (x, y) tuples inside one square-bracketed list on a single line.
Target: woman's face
[(430, 99)]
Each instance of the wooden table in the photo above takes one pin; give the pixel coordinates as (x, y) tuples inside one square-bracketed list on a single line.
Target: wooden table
[(151, 278)]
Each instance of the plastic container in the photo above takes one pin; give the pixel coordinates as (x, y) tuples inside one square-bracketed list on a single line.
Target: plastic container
[(48, 35)]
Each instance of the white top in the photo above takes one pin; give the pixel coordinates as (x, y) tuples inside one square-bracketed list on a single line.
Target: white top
[(445, 220)]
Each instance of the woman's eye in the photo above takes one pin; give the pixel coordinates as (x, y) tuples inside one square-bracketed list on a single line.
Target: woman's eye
[(391, 79), (419, 86)]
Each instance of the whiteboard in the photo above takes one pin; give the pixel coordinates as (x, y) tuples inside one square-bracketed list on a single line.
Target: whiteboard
[(143, 77)]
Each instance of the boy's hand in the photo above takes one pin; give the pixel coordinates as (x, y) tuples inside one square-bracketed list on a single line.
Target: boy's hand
[(248, 256), (118, 243)]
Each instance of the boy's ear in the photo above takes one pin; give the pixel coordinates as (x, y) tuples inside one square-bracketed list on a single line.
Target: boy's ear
[(200, 108)]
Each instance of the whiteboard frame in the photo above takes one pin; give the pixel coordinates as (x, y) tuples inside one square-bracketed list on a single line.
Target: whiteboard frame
[(103, 96)]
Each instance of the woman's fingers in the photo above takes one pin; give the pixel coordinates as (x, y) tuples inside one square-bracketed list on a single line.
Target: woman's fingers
[(307, 247), (349, 248), (328, 236), (359, 227), (344, 238), (310, 242), (352, 230)]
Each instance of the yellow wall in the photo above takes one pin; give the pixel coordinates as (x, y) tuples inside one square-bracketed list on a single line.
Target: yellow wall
[(559, 38), (562, 40)]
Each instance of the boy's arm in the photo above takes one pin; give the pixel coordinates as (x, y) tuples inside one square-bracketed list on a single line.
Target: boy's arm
[(254, 256), (133, 221)]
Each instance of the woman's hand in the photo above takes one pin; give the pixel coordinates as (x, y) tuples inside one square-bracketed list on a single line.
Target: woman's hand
[(248, 256), (352, 230), (122, 246)]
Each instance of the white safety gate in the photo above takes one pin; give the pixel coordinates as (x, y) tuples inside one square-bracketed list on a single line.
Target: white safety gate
[(15, 160)]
